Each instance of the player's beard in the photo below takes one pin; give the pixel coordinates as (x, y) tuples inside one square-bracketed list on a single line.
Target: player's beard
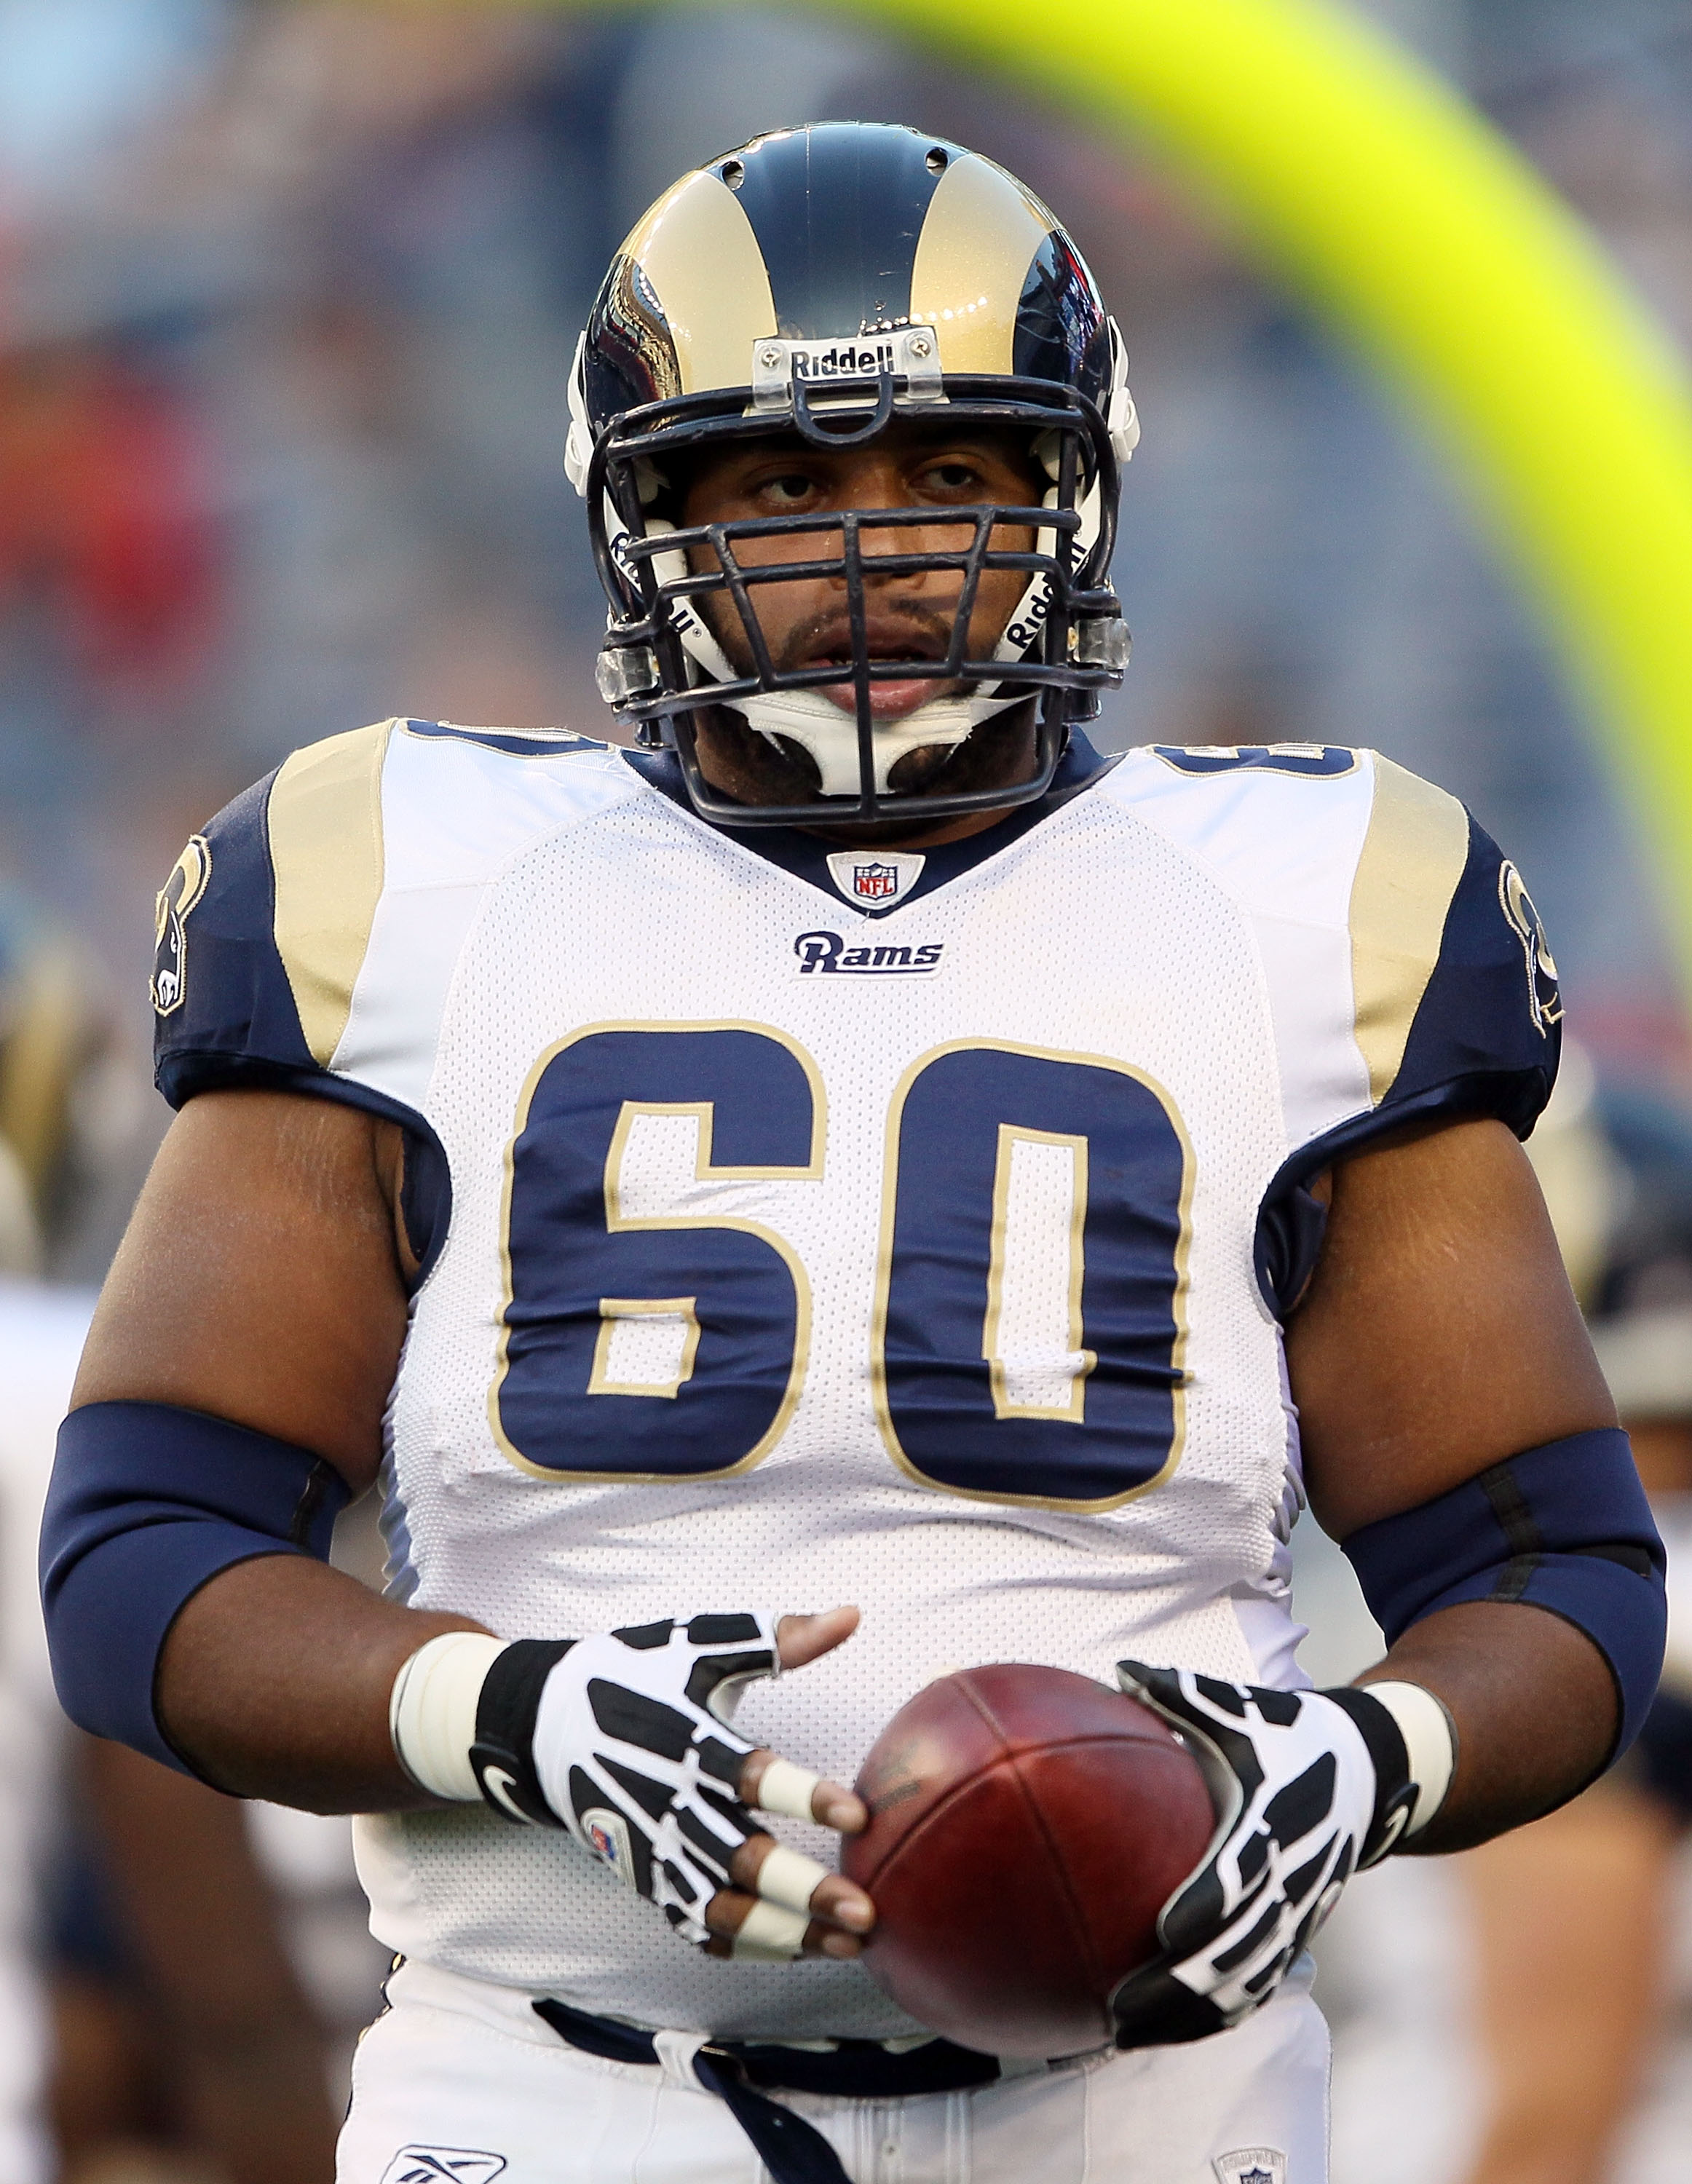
[(755, 768)]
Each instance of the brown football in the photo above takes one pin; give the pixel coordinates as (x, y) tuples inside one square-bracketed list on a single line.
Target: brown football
[(1026, 1826)]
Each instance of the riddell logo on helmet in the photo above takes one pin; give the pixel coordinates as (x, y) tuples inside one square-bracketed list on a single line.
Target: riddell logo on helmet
[(1028, 624), (842, 359)]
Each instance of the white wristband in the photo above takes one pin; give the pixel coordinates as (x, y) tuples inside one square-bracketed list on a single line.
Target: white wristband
[(431, 1711), (1430, 1738)]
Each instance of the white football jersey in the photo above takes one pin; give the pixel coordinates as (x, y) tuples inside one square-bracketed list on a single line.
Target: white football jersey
[(803, 1225)]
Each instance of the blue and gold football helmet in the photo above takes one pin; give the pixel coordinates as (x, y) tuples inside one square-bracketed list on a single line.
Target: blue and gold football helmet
[(824, 282)]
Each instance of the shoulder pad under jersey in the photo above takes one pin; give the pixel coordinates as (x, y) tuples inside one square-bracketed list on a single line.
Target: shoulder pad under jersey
[(1407, 971), (329, 901)]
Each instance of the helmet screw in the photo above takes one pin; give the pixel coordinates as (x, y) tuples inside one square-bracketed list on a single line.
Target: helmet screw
[(921, 346), (768, 358)]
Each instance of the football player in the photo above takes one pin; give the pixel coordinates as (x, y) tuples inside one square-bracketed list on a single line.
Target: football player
[(857, 1146)]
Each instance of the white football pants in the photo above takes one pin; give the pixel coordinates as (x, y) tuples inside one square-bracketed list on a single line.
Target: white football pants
[(459, 2082)]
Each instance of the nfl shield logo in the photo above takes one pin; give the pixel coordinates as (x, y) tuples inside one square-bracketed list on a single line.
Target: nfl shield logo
[(608, 1833), (875, 883), (1251, 2165)]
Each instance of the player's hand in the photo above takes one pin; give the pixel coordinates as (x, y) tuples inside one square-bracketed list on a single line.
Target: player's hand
[(774, 1898), (624, 1739), (1302, 1802)]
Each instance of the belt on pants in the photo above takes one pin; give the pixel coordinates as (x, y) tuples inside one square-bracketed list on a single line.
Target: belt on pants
[(793, 2151)]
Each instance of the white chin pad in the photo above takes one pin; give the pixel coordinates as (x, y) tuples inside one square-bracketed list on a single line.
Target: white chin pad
[(830, 735), (830, 732)]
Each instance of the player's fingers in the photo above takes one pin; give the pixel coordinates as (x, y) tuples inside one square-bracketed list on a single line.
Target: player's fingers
[(800, 1638), (745, 1927), (790, 1881), (771, 1784)]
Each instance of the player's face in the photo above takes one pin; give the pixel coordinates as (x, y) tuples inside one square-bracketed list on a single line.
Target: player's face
[(909, 615)]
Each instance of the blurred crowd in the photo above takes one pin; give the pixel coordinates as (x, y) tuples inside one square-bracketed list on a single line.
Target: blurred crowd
[(288, 295)]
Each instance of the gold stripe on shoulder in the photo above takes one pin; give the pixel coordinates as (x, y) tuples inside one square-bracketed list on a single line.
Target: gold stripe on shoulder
[(327, 855), (698, 252), (978, 240), (1412, 859)]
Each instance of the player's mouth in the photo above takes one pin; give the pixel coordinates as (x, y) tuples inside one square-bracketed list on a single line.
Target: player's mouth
[(894, 697)]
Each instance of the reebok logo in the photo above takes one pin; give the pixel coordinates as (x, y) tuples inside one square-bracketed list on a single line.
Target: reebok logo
[(826, 955), (442, 2164)]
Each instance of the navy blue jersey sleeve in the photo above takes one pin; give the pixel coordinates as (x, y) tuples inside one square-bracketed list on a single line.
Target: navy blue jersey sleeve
[(224, 1012), (1486, 1036), (1475, 1031), (227, 1004)]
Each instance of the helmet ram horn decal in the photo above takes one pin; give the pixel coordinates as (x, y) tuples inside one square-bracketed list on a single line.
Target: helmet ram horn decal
[(822, 282)]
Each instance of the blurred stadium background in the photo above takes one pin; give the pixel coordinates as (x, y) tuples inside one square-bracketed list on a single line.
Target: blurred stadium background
[(287, 298)]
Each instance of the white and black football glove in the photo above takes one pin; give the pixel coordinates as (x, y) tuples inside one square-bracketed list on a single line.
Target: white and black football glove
[(1309, 1787), (623, 1739)]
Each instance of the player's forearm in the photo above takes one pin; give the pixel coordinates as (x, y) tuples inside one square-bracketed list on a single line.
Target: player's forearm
[(275, 1682), (1534, 1706)]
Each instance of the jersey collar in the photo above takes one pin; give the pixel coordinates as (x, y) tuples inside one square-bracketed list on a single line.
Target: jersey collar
[(806, 855)]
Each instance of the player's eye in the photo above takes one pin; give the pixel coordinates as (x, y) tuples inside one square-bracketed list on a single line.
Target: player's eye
[(789, 488), (954, 477)]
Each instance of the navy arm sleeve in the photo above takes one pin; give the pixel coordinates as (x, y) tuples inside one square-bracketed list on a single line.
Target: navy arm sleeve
[(1565, 1527), (147, 1503)]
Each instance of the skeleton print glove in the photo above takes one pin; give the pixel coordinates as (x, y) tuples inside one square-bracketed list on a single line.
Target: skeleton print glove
[(623, 1739), (1308, 1786)]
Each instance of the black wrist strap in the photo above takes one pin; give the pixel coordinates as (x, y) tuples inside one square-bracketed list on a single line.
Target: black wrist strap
[(503, 1755)]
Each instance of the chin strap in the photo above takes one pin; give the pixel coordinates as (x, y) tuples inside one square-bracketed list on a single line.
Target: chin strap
[(830, 733)]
